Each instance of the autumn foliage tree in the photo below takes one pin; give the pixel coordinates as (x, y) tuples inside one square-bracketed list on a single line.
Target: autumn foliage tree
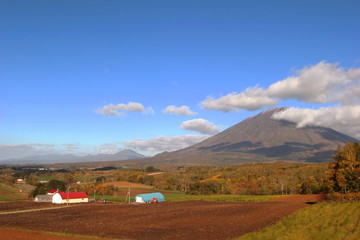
[(344, 175)]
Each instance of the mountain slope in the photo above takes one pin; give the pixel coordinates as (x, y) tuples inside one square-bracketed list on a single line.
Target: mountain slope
[(261, 139)]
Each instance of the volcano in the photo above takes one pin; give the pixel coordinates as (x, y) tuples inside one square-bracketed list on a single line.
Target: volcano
[(260, 139)]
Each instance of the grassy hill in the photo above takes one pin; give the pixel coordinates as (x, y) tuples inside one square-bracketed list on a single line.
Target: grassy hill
[(319, 221)]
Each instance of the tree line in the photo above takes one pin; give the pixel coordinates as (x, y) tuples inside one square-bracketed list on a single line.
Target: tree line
[(341, 176), (259, 178)]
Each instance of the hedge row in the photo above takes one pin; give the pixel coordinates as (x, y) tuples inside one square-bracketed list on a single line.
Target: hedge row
[(343, 197)]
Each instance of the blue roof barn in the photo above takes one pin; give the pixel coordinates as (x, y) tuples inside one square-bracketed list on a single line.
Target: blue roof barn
[(149, 198)]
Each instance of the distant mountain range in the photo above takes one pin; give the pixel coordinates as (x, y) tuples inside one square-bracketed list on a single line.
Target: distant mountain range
[(69, 158), (258, 139)]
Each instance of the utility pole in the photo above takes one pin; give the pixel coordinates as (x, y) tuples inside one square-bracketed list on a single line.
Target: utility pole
[(68, 196), (128, 196)]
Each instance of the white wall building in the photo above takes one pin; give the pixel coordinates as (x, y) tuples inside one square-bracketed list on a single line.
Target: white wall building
[(70, 197)]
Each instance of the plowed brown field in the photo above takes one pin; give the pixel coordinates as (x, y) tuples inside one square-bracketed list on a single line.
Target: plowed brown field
[(168, 220), (17, 234), (12, 206)]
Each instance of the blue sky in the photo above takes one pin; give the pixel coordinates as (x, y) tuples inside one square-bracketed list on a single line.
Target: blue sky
[(87, 77)]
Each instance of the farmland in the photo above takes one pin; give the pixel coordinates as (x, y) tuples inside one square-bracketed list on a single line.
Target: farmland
[(10, 193), (17, 234), (184, 216), (170, 220), (202, 203)]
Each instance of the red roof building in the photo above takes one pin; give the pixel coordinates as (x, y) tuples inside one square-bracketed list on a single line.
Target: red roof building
[(73, 195), (70, 197), (53, 191)]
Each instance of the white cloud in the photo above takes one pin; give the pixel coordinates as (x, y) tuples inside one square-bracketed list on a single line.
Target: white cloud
[(9, 151), (149, 111), (162, 143), (353, 74), (113, 110), (183, 110), (344, 119), (321, 83), (251, 99), (109, 148), (37, 146), (200, 125), (71, 147)]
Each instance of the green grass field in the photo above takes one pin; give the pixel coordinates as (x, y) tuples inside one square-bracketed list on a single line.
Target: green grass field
[(219, 198), (178, 196), (316, 222), (8, 188)]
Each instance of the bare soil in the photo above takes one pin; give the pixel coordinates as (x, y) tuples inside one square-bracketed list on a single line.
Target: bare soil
[(155, 173), (168, 220), (13, 206)]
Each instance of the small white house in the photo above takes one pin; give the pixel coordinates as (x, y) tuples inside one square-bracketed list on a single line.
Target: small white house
[(20, 180), (70, 197)]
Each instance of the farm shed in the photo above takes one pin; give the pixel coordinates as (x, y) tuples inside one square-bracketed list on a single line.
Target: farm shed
[(20, 180), (149, 197), (70, 197), (43, 198)]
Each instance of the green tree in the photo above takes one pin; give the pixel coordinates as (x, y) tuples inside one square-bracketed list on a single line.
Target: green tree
[(309, 186), (344, 175), (148, 180), (100, 179), (44, 188), (56, 184), (150, 169), (40, 189)]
